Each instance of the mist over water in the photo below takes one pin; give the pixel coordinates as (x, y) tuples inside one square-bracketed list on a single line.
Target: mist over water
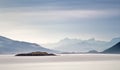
[(63, 26), (61, 62)]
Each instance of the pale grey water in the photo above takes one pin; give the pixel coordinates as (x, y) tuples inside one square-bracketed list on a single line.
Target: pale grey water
[(61, 62)]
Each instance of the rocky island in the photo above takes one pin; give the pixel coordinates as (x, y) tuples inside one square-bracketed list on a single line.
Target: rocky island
[(36, 54)]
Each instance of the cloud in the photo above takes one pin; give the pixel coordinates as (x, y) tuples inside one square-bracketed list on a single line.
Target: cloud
[(50, 20), (62, 4), (57, 14)]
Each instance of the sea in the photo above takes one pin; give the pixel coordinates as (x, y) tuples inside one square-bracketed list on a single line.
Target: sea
[(61, 62)]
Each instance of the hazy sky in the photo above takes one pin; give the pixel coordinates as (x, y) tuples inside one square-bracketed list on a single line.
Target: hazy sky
[(46, 21)]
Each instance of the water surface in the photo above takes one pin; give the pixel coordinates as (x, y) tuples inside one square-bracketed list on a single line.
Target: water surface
[(61, 62)]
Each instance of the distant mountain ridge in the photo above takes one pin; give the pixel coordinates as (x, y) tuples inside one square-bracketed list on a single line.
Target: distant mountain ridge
[(113, 49), (77, 45), (9, 46)]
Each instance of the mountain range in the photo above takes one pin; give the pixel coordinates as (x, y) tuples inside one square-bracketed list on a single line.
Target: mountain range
[(9, 46), (77, 45)]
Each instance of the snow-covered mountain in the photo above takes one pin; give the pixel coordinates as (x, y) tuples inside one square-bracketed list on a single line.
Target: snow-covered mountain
[(76, 45), (9, 46)]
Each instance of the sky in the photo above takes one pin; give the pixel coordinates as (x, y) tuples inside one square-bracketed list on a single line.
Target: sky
[(48, 21)]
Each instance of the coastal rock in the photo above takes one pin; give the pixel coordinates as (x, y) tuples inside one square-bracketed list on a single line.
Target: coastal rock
[(36, 54)]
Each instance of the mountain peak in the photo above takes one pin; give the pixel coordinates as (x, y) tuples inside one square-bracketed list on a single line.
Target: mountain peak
[(66, 38), (92, 39)]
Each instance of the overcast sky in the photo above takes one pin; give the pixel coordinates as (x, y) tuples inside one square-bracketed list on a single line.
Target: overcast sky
[(47, 21)]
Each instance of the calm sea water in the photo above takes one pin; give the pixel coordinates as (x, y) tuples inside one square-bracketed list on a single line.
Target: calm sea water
[(61, 62)]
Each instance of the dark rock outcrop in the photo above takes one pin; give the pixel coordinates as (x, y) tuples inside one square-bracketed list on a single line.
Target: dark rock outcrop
[(36, 54)]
